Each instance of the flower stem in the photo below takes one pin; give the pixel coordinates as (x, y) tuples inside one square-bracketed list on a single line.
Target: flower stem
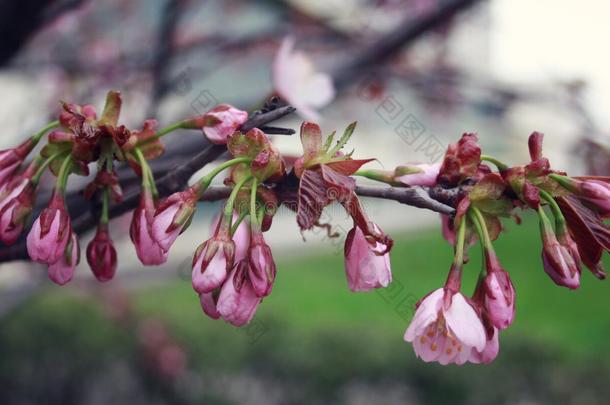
[(105, 205), (459, 245), (162, 132), (242, 216), (499, 164), (253, 216), (231, 200), (38, 136), (43, 167), (560, 221), (206, 180), (148, 178), (64, 172)]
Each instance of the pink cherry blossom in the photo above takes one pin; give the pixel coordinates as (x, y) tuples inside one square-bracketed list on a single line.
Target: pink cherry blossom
[(241, 237), (15, 206), (208, 303), (101, 255), (173, 216), (238, 301), (425, 175), (299, 83), (559, 262), (446, 328), (222, 121), (50, 233), (11, 159), (489, 352), (364, 267), (261, 266), (148, 250), (499, 298), (62, 271)]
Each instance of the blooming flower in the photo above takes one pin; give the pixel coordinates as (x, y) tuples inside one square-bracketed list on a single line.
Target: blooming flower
[(489, 352), (238, 301), (173, 216), (101, 255), (418, 175), (366, 267), (299, 83), (147, 248), (16, 200), (446, 328), (50, 233), (62, 271), (222, 121)]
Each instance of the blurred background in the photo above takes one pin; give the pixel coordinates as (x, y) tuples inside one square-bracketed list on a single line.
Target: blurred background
[(415, 74)]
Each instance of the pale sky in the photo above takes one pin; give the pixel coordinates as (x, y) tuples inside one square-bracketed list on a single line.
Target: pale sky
[(555, 39)]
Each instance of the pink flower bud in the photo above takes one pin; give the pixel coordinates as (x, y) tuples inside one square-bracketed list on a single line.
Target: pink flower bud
[(499, 295), (148, 250), (559, 262), (365, 268), (241, 237), (208, 303), (261, 267), (418, 175), (101, 255), (16, 200), (11, 159), (50, 233), (62, 270), (597, 190), (213, 261), (446, 328), (173, 216), (222, 121), (238, 301)]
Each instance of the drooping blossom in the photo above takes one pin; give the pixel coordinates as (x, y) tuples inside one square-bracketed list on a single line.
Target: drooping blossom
[(238, 301), (50, 233), (149, 251), (173, 216), (498, 293), (222, 121), (241, 236), (209, 302), (446, 328), (298, 82), (366, 266), (16, 201), (418, 174), (489, 352), (261, 266), (559, 261), (213, 260), (11, 159), (62, 271), (101, 255)]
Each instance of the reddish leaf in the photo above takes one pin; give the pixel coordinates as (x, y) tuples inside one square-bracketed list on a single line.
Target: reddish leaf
[(312, 198), (348, 167), (535, 145), (311, 138)]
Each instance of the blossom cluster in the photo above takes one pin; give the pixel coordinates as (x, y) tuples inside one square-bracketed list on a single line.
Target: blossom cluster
[(234, 270)]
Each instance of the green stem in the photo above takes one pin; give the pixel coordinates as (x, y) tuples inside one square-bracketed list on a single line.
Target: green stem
[(482, 228), (38, 136), (231, 200), (564, 181), (206, 180), (148, 180), (105, 206), (499, 164), (253, 216), (560, 221), (44, 166), (162, 132), (459, 246), (242, 216), (64, 172)]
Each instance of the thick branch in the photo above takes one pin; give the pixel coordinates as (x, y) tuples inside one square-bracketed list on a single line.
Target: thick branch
[(415, 196)]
